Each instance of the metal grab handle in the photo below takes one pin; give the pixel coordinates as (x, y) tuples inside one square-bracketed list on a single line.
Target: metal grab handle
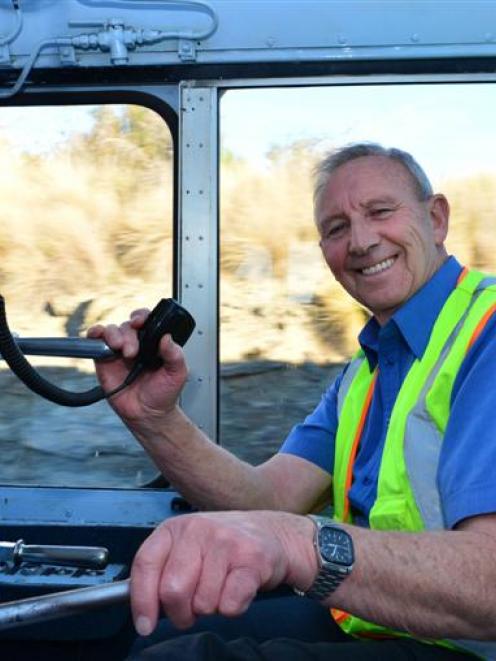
[(66, 347), (92, 557), (34, 610)]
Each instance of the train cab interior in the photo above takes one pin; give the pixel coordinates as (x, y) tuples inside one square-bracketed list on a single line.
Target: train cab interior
[(158, 149)]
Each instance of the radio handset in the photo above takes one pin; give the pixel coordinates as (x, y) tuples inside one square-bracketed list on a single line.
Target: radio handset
[(166, 317)]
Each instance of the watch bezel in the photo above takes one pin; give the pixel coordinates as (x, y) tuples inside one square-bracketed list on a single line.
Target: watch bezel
[(334, 562)]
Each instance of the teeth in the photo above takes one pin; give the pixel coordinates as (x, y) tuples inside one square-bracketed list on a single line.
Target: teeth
[(377, 268)]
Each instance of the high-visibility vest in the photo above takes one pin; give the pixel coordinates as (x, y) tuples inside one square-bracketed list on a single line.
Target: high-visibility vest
[(407, 495)]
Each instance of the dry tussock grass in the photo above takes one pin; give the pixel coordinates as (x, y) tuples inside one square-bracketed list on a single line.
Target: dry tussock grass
[(94, 221)]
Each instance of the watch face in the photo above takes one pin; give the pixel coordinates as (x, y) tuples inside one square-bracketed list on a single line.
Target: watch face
[(335, 546)]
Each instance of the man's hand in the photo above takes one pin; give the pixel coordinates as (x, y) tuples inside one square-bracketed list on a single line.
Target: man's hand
[(206, 563), (154, 393)]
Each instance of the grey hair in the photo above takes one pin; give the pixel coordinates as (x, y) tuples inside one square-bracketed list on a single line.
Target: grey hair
[(339, 157)]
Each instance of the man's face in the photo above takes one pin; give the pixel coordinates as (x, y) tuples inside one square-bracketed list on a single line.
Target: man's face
[(380, 241)]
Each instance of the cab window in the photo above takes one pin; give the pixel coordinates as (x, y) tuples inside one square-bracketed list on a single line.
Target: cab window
[(286, 326), (86, 207)]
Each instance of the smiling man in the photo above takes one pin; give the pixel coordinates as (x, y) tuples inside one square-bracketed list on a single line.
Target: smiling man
[(382, 231), (402, 444)]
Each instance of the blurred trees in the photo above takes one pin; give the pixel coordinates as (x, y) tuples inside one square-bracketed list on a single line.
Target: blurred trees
[(95, 212), (96, 215)]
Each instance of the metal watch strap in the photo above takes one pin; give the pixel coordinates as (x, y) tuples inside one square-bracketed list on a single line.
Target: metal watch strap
[(327, 580), (324, 585)]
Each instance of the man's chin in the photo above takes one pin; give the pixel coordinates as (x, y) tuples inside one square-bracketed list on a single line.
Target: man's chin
[(382, 310)]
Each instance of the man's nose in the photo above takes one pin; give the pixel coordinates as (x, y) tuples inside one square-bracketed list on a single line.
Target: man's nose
[(363, 237)]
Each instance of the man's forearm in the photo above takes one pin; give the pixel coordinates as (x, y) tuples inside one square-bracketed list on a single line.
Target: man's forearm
[(206, 474), (431, 584)]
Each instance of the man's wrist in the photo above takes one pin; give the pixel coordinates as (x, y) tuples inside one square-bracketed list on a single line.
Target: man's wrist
[(303, 565), (155, 425)]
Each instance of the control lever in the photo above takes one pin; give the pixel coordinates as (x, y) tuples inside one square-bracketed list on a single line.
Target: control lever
[(34, 610), (91, 557)]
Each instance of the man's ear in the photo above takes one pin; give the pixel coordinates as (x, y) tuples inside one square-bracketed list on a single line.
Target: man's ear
[(439, 210)]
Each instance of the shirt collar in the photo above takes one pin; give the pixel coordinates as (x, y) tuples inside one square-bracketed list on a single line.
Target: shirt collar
[(425, 304)]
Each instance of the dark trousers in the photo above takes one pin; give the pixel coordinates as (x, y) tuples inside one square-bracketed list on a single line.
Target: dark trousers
[(277, 629)]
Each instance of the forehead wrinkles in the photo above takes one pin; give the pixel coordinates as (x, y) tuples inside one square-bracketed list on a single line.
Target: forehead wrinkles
[(355, 183)]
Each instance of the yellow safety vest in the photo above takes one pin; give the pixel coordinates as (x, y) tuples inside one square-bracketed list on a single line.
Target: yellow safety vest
[(407, 495)]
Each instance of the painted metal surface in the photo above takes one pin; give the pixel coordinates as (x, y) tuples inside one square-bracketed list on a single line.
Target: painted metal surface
[(198, 247), (138, 508), (82, 33)]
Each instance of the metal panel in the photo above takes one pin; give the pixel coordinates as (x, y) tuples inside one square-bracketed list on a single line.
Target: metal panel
[(124, 33), (198, 248), (85, 507)]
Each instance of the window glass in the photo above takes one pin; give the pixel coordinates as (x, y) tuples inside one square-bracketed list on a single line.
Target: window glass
[(86, 208), (286, 326)]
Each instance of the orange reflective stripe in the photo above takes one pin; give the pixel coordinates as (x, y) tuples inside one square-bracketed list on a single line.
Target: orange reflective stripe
[(356, 443), (339, 615), (340, 618), (462, 275), (480, 326)]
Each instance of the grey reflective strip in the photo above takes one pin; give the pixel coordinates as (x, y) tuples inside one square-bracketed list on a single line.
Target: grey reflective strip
[(423, 441), (346, 381), (485, 283), (422, 460)]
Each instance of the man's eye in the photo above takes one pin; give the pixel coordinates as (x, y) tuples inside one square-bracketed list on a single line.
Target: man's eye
[(380, 212), (334, 230)]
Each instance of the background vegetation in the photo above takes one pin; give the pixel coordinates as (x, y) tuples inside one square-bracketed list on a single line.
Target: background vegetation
[(92, 221)]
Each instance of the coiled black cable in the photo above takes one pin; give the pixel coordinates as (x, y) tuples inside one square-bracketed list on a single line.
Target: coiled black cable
[(23, 369)]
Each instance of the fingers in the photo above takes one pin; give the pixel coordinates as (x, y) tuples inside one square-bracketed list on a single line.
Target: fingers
[(211, 582), (172, 354), (240, 588), (146, 574), (165, 572), (138, 317), (179, 581), (123, 338), (199, 564)]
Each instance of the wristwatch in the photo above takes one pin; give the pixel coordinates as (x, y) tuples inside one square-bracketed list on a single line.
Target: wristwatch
[(334, 548)]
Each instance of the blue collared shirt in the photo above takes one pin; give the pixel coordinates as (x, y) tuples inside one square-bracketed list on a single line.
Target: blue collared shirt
[(465, 475)]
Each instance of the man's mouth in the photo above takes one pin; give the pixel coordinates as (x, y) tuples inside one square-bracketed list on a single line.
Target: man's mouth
[(379, 267)]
